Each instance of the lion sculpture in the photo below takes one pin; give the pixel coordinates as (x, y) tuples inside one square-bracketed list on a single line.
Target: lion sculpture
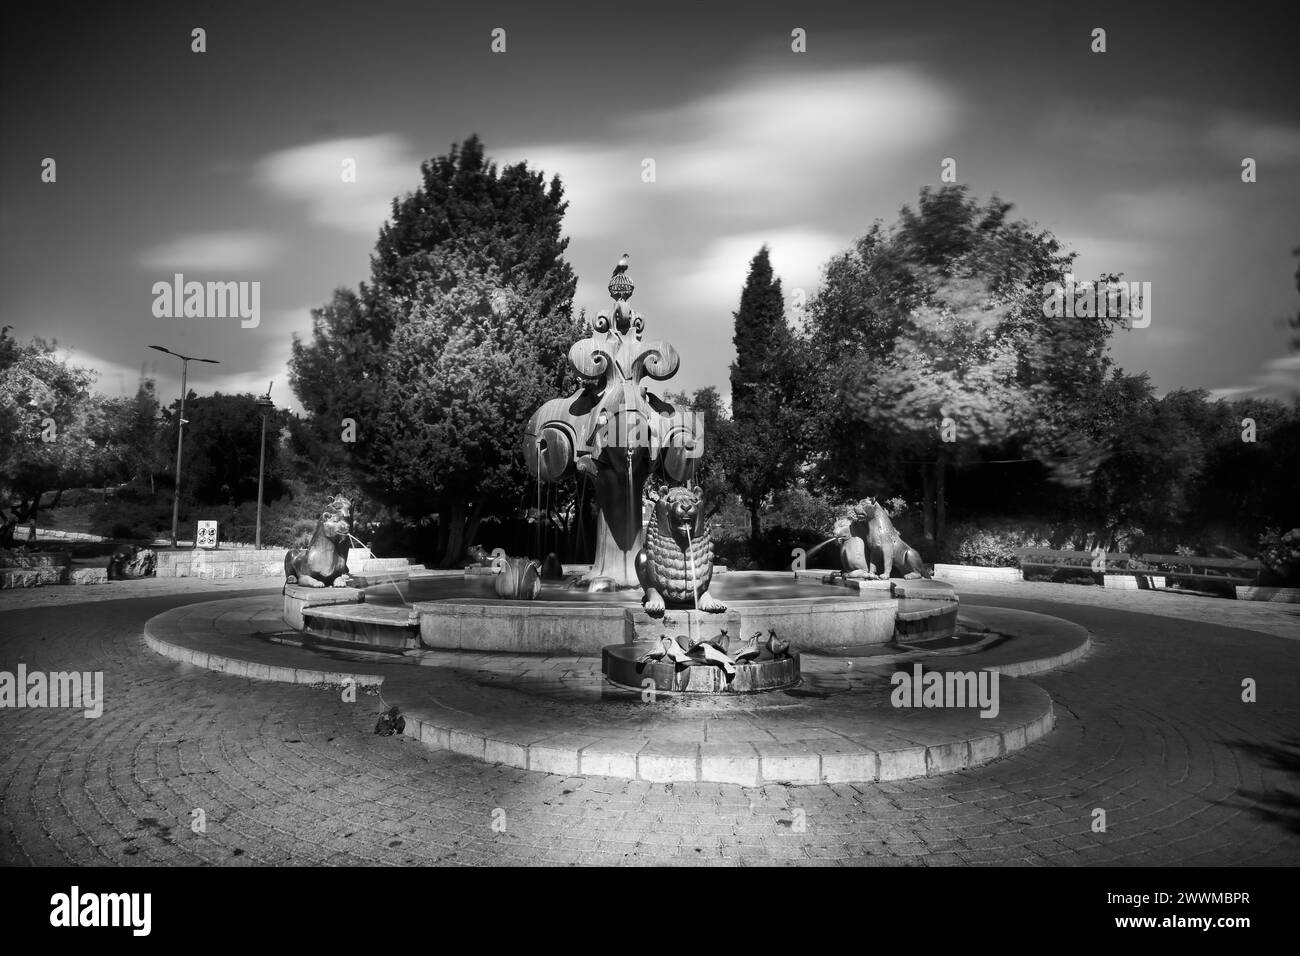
[(869, 540), (676, 564), (324, 562)]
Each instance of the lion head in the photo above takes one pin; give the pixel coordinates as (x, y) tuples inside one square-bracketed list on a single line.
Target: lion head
[(678, 510), (336, 522)]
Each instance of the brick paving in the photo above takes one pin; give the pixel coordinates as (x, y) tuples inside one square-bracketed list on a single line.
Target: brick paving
[(1150, 728)]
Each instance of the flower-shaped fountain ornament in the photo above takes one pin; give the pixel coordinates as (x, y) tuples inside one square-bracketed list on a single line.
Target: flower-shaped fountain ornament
[(614, 431)]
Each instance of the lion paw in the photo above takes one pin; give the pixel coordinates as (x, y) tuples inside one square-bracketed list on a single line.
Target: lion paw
[(654, 603), (709, 603)]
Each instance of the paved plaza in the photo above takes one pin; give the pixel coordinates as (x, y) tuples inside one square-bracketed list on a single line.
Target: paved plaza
[(1150, 727)]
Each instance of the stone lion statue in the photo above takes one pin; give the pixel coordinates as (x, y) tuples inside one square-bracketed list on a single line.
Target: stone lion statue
[(324, 562), (676, 564), (869, 540)]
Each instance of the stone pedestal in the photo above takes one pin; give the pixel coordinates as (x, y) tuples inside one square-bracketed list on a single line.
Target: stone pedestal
[(619, 665), (297, 597), (695, 625)]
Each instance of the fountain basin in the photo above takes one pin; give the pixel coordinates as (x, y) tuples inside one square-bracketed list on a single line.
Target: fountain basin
[(462, 613), (619, 665), (550, 627)]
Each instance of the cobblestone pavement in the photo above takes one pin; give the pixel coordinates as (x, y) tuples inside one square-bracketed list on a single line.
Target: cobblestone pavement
[(1151, 729)]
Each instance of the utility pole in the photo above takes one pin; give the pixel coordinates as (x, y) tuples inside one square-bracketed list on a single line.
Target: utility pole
[(266, 405), (180, 429)]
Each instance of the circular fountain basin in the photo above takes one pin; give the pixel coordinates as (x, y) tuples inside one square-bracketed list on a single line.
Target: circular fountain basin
[(815, 611), (465, 614)]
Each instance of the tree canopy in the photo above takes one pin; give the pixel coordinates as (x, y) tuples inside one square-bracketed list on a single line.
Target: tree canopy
[(460, 334)]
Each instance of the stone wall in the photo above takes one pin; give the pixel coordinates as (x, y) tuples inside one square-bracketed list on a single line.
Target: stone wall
[(969, 574), (234, 563)]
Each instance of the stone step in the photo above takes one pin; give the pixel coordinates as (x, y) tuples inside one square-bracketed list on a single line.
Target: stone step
[(368, 579), (378, 628), (919, 618)]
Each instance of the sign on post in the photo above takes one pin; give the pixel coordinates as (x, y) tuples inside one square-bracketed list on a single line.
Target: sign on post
[(206, 535)]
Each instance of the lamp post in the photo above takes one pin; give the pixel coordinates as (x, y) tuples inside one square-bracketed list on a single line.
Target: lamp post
[(266, 405), (180, 429)]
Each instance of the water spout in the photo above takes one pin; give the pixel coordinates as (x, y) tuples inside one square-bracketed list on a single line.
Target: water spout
[(815, 549)]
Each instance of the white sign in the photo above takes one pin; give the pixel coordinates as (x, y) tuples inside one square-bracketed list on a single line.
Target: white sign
[(207, 534)]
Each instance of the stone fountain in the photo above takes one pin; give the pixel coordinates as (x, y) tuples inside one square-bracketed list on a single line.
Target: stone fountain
[(683, 628)]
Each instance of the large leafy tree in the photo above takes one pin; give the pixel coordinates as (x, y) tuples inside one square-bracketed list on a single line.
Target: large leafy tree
[(441, 357), (764, 444), (47, 423), (933, 347), (129, 435), (223, 441)]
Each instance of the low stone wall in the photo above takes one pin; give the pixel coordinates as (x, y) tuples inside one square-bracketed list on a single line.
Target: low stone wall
[(11, 578), (233, 563), (1280, 595), (52, 534), (1133, 582), (970, 574), (43, 567)]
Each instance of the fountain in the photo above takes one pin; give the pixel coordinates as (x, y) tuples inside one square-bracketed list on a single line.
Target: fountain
[(650, 605), (658, 666)]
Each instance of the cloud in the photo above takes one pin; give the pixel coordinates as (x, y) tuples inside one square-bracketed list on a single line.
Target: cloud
[(798, 255), (798, 143), (312, 176), (1271, 144), (788, 137), (213, 251), (598, 182), (1278, 379)]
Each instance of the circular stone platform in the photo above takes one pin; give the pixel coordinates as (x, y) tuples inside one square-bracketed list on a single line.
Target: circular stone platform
[(559, 714)]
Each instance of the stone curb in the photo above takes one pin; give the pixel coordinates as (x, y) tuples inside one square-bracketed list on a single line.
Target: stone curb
[(747, 764), (155, 635)]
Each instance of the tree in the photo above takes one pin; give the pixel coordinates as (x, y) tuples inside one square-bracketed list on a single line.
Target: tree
[(223, 438), (130, 438), (47, 418), (441, 358), (709, 471), (764, 445), (932, 345)]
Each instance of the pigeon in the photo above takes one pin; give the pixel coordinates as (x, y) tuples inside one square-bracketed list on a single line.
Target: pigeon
[(748, 649), (621, 267), (389, 723), (778, 647)]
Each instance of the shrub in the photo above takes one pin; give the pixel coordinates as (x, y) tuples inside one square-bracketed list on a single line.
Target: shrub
[(1279, 557), (133, 520), (992, 543)]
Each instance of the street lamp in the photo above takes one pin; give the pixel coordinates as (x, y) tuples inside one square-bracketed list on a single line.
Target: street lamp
[(266, 405), (180, 429)]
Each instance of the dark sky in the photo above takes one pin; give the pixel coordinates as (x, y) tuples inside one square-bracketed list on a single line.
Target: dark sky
[(225, 165)]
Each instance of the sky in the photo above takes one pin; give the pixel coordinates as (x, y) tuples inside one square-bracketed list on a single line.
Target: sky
[(225, 165)]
